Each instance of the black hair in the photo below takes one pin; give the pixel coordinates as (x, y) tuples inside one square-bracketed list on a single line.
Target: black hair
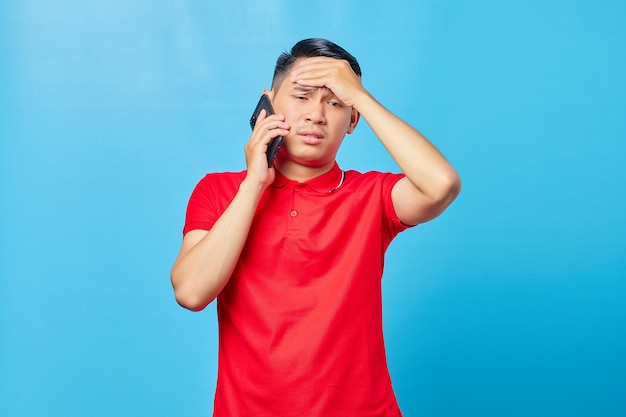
[(309, 48)]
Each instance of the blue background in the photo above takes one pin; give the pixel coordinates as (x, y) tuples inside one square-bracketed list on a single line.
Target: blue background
[(512, 303)]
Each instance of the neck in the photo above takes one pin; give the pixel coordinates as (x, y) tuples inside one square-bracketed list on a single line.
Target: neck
[(299, 172)]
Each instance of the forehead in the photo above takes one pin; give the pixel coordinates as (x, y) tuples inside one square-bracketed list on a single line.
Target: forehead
[(288, 87), (284, 79)]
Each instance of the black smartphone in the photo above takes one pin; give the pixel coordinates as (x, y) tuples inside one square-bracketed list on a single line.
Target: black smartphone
[(274, 145)]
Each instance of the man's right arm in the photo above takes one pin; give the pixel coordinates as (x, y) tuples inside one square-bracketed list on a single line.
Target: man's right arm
[(207, 259)]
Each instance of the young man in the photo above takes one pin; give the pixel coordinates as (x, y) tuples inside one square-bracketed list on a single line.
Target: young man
[(294, 252)]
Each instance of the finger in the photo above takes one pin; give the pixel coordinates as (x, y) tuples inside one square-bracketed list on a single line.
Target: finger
[(313, 64), (264, 122), (272, 121), (265, 132), (256, 147), (262, 115), (309, 69)]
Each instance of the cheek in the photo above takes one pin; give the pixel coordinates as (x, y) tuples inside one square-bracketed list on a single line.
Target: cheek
[(291, 118), (343, 122)]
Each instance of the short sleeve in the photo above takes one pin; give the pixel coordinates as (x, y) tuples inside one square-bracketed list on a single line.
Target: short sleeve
[(210, 198), (393, 224), (201, 210)]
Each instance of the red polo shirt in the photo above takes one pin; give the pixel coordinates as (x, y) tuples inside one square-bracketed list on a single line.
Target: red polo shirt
[(300, 320)]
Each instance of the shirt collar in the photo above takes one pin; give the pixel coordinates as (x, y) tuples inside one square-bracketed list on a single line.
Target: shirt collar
[(324, 184)]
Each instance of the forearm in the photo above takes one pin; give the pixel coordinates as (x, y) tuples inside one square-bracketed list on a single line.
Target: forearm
[(204, 267)]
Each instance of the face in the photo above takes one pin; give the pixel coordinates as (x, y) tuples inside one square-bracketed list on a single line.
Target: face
[(318, 123)]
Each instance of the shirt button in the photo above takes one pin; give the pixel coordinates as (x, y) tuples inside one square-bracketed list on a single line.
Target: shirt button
[(293, 213), (296, 188)]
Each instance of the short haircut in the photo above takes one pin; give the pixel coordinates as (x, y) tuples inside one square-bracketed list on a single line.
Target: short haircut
[(310, 48)]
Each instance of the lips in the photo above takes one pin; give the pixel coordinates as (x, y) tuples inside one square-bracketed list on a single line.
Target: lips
[(311, 137)]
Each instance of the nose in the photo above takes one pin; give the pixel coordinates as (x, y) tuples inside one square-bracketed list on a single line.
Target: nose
[(315, 112)]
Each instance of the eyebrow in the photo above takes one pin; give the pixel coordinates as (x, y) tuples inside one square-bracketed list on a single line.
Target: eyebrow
[(305, 89)]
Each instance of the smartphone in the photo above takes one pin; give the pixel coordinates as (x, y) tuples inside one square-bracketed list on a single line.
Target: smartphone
[(274, 145)]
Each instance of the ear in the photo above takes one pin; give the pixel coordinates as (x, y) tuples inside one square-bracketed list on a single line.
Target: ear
[(354, 120), (269, 93)]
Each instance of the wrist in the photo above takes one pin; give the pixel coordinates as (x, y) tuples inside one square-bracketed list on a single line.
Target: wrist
[(363, 101), (251, 186)]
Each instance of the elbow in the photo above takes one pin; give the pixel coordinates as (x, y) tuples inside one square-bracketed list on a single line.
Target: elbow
[(187, 296), (190, 303), (454, 185), (449, 188)]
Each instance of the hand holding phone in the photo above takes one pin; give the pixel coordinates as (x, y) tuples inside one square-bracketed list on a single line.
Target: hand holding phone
[(274, 145)]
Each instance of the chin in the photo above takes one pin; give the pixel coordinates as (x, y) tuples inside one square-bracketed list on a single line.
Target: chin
[(309, 159), (304, 154)]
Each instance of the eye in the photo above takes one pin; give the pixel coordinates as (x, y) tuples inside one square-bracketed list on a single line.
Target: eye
[(335, 103), (300, 98)]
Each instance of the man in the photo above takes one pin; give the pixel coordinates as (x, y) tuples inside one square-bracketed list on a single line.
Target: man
[(294, 252)]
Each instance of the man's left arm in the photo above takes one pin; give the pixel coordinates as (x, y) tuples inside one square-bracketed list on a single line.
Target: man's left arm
[(431, 183)]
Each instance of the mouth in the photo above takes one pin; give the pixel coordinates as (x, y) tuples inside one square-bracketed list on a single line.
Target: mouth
[(311, 137)]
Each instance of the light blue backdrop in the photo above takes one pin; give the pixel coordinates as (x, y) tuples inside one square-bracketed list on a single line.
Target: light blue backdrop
[(510, 304)]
